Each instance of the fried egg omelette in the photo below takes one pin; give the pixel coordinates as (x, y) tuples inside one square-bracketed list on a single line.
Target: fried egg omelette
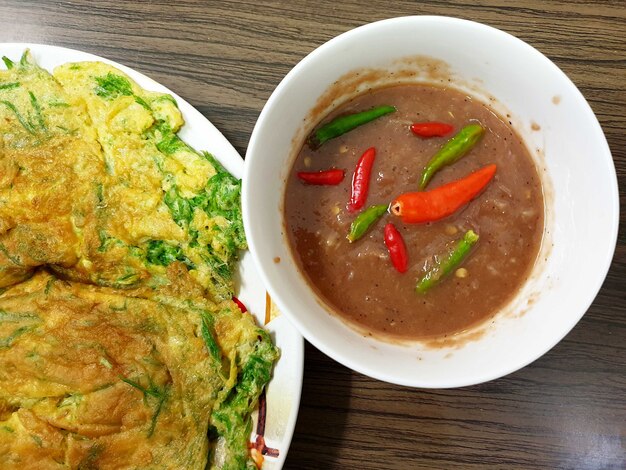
[(96, 185), (120, 345)]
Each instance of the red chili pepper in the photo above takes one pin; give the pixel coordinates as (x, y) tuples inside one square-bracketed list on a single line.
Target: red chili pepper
[(329, 177), (397, 248), (428, 206), (361, 180), (240, 304), (431, 129)]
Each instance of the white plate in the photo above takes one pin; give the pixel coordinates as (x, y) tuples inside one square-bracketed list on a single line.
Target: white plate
[(283, 392)]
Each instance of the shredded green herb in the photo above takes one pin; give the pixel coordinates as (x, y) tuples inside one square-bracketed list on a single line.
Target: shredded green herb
[(220, 268), (160, 394), (105, 362), (142, 102), (135, 251), (24, 59), (209, 337), (35, 104), (221, 201), (109, 165), (167, 140), (180, 208), (25, 124), (17, 317), (9, 86), (111, 86), (150, 391), (127, 280), (58, 104), (70, 400), (8, 341), (100, 196), (159, 162), (14, 259), (104, 240), (219, 168), (166, 97), (163, 254), (67, 131), (8, 62), (49, 285)]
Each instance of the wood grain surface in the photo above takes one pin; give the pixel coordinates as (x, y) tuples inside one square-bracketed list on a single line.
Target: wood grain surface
[(568, 409)]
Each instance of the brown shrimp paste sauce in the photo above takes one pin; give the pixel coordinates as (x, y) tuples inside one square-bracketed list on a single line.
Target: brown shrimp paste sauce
[(357, 280)]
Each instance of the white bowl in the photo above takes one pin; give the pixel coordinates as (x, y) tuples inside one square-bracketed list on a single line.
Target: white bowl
[(572, 154)]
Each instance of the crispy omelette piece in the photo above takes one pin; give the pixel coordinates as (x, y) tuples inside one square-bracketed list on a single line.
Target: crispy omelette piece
[(107, 192), (90, 378)]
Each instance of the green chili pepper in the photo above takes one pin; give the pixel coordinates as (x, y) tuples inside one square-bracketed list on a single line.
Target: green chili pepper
[(447, 262), (365, 220), (452, 151), (342, 124)]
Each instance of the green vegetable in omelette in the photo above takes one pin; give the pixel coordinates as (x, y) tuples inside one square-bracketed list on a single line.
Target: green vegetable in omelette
[(152, 392), (37, 108), (8, 86), (30, 128), (29, 116), (111, 86), (7, 341), (169, 142), (142, 102), (8, 62), (208, 335), (220, 201), (164, 254), (180, 207), (229, 418)]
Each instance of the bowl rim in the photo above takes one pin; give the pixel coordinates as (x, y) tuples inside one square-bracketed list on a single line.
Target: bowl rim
[(325, 346)]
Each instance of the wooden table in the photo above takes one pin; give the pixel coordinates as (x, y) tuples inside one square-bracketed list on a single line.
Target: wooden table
[(566, 410)]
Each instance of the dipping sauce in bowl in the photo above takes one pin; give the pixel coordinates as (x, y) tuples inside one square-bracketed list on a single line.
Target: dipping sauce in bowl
[(356, 279), (544, 248)]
